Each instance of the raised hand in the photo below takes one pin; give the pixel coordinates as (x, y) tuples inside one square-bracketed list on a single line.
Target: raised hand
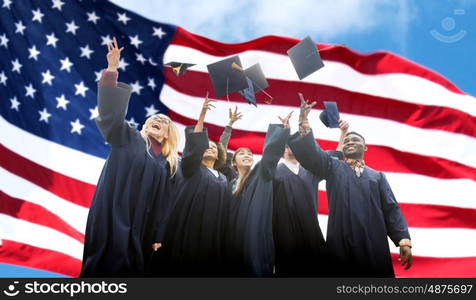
[(344, 126), (285, 120), (305, 107), (234, 116), (207, 105), (113, 56)]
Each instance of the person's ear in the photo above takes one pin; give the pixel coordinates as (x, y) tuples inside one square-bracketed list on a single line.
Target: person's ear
[(365, 148)]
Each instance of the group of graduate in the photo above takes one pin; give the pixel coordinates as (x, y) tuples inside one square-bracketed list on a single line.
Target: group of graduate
[(211, 213)]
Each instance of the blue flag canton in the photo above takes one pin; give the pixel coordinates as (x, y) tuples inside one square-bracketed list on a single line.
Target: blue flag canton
[(53, 53)]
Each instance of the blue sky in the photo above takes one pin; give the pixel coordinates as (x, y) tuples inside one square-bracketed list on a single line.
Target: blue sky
[(401, 26)]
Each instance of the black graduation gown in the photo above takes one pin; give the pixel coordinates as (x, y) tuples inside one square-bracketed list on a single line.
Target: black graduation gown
[(131, 199), (362, 213), (193, 244), (250, 245), (299, 243)]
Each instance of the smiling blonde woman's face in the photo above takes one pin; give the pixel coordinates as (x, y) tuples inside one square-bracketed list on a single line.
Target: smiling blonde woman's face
[(157, 126)]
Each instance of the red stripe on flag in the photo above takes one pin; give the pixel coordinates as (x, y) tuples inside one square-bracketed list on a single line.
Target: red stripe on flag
[(381, 62), (424, 215), (37, 214), (197, 84), (63, 186), (29, 256), (378, 157), (464, 267)]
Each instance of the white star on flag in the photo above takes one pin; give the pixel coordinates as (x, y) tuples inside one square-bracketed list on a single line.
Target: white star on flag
[(136, 87), (7, 3), (37, 15), (57, 4), (47, 77), (71, 27), (30, 91), (66, 64), (85, 51), (140, 58), (92, 17), (62, 102), (33, 52), (3, 78), (133, 123), (20, 27), (16, 66), (106, 40), (123, 18), (94, 113), (15, 103), (98, 75), (76, 126), (3, 40), (135, 41), (122, 64), (150, 110), (151, 83), (158, 32), (52, 40), (81, 89), (44, 115)]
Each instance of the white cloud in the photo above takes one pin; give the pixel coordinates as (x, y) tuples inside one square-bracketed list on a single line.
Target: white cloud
[(238, 21)]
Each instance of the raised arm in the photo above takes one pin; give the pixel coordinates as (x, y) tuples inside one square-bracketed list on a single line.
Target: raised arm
[(304, 146), (113, 99), (274, 144), (196, 142), (233, 117), (344, 128)]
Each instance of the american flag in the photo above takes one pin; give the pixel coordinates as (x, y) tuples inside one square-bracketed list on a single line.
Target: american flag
[(419, 127)]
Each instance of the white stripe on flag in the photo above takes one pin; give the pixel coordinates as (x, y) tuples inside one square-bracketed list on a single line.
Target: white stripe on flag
[(415, 89), (17, 187), (39, 236)]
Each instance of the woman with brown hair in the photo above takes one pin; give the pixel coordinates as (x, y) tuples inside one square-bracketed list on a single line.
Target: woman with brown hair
[(250, 247), (132, 196)]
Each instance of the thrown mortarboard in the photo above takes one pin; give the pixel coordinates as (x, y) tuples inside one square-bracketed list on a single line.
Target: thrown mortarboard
[(256, 82), (330, 115), (178, 67), (305, 58), (227, 76)]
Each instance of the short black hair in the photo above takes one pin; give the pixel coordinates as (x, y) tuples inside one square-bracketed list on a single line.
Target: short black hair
[(355, 133)]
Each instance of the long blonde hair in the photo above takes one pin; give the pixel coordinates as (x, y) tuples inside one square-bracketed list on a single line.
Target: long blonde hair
[(169, 144)]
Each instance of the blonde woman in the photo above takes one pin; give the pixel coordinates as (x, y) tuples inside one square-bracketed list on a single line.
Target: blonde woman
[(132, 198)]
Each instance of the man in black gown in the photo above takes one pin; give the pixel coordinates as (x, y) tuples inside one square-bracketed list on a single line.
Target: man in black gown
[(362, 208)]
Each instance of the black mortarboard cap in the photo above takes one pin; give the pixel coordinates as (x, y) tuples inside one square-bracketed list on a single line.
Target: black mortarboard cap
[(257, 77), (227, 76), (178, 67), (305, 58), (330, 115)]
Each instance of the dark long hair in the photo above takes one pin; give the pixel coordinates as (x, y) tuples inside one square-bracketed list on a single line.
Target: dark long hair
[(221, 160), (243, 181)]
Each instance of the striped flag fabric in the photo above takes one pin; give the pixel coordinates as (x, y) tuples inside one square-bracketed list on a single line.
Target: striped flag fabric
[(419, 127)]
